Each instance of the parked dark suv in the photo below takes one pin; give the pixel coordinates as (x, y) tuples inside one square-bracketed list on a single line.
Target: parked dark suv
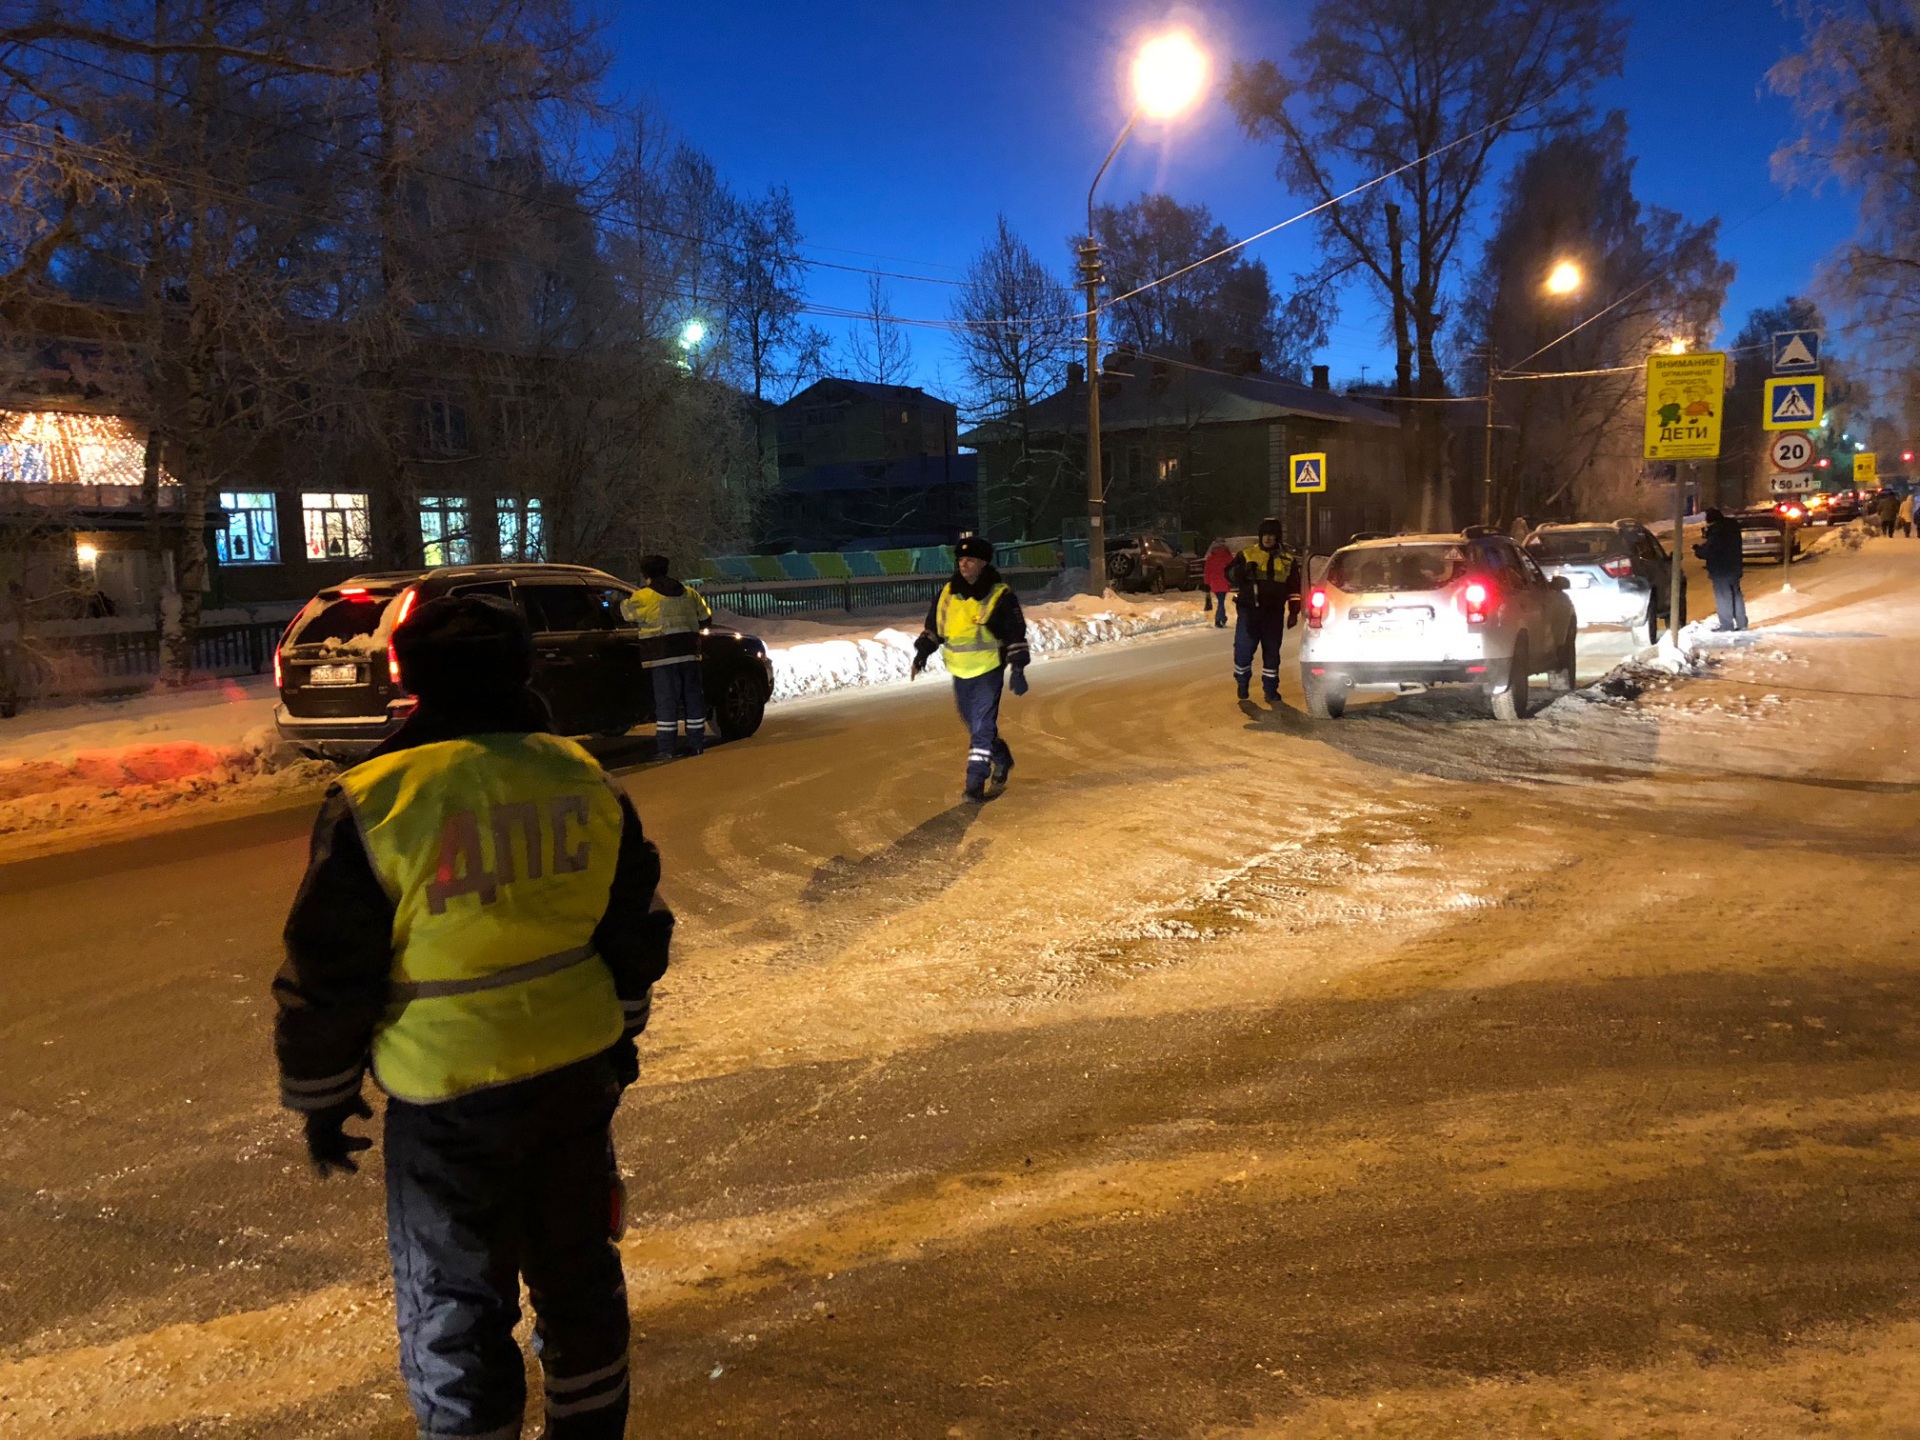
[(340, 689)]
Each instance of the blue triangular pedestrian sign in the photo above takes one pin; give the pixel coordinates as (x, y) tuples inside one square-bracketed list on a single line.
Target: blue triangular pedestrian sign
[(1794, 403), (1309, 475)]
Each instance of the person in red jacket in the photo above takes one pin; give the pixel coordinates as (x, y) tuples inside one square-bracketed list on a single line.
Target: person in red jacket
[(1218, 558)]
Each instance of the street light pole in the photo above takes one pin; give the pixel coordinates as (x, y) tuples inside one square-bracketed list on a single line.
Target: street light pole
[(1486, 458), (1096, 487)]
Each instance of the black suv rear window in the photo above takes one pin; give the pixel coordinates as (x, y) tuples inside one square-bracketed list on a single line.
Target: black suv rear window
[(1575, 544), (351, 622), (1397, 567)]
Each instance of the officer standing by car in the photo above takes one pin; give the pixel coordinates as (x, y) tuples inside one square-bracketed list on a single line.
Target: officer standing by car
[(479, 924), (1264, 584), (667, 611), (977, 625)]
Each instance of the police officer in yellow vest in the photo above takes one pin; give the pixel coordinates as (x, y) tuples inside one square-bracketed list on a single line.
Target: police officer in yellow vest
[(976, 624), (478, 925), (671, 617), (1266, 596)]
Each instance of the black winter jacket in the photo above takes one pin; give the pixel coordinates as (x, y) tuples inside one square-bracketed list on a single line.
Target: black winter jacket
[(1007, 623), (1720, 548), (333, 987)]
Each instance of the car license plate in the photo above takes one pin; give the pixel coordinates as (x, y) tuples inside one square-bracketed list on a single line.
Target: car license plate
[(334, 675), (1395, 622)]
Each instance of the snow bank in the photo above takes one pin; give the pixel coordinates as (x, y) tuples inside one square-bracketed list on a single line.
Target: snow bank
[(885, 656), (88, 788)]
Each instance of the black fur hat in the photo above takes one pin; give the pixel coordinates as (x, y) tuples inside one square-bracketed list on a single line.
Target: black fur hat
[(464, 647)]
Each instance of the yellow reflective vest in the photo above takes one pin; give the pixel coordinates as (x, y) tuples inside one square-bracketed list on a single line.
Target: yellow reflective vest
[(498, 852), (1265, 576), (966, 645), (676, 619)]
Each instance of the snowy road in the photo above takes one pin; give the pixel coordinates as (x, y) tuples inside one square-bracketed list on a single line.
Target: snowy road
[(1232, 1075)]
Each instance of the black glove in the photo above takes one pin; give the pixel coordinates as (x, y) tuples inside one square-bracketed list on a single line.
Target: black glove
[(919, 664), (625, 1058), (328, 1142), (1293, 611), (1018, 684)]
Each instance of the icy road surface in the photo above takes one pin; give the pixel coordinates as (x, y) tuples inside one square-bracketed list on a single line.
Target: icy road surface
[(1409, 1075)]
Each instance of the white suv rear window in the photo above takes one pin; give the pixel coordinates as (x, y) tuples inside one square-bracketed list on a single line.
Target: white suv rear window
[(1397, 567)]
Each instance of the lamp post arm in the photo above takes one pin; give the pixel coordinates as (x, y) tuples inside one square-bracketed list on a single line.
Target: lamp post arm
[(1125, 131)]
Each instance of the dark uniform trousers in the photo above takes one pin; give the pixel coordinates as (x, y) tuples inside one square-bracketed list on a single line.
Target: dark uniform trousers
[(679, 694), (482, 1189), (1264, 630), (978, 700)]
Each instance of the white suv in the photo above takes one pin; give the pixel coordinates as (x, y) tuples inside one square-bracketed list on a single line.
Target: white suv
[(1421, 610)]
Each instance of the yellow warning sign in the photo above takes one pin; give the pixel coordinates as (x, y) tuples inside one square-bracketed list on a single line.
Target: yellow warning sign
[(1686, 396), (1866, 469)]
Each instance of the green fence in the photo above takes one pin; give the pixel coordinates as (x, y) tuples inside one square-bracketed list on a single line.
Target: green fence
[(846, 596)]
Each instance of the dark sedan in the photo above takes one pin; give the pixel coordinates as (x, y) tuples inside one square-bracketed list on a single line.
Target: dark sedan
[(340, 689)]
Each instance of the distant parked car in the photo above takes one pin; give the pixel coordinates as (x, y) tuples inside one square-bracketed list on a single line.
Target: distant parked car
[(1769, 532), (339, 681), (1147, 562), (1618, 575), (1422, 610)]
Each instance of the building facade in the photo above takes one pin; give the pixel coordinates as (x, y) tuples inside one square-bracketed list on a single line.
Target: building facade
[(867, 467), (1192, 448)]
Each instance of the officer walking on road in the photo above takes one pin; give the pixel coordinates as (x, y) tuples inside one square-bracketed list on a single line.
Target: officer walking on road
[(976, 624), (1264, 584), (670, 613), (478, 923)]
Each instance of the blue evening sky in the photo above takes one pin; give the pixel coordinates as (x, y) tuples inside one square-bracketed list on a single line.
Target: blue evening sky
[(903, 129)]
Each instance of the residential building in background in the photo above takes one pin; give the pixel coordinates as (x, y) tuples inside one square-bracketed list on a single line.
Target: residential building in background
[(1196, 448), (862, 466)]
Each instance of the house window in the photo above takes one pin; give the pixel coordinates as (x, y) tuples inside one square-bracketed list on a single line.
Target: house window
[(510, 425), (336, 526), (443, 427), (252, 536), (444, 536), (523, 535), (1170, 469)]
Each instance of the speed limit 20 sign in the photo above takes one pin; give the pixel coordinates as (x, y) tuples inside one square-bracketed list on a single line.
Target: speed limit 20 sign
[(1791, 450)]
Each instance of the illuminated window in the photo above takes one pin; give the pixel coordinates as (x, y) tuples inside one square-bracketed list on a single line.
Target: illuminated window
[(336, 526), (523, 533), (444, 536), (252, 536)]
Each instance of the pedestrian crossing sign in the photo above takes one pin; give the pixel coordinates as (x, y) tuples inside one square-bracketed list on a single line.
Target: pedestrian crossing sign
[(1308, 474), (1795, 404)]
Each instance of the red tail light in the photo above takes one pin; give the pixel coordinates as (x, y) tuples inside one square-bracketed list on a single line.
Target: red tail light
[(1479, 601), (406, 606), (393, 664), (278, 679), (1619, 567), (1316, 609)]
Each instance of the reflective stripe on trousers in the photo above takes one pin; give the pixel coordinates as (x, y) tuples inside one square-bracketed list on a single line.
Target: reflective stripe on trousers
[(978, 700), (1262, 630)]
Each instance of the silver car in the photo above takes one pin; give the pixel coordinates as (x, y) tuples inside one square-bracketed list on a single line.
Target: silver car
[(1617, 575), (1421, 610)]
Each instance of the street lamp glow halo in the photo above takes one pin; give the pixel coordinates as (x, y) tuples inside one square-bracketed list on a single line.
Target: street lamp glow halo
[(692, 334), (1169, 72), (1564, 278)]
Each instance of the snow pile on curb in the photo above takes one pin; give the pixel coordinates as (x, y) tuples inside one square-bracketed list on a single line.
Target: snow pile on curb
[(94, 786), (1850, 536), (885, 657)]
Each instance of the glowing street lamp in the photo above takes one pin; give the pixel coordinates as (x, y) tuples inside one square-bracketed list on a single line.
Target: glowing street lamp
[(1564, 279), (1169, 74), (692, 333)]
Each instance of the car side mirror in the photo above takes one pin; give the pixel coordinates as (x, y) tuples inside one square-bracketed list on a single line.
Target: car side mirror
[(1560, 582)]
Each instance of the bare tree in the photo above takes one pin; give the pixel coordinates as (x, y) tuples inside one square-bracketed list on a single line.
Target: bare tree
[(764, 290), (1648, 278), (1016, 338), (1424, 90), (1853, 88), (877, 348)]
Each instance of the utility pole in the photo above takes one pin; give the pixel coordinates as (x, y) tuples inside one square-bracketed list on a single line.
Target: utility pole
[(1677, 611), (1486, 457), (1096, 490)]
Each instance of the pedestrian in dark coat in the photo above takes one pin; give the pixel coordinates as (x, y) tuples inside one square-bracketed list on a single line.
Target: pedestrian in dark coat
[(478, 925), (1720, 547)]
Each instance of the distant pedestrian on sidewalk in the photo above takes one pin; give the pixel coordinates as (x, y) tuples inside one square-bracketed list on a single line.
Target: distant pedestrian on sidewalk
[(1720, 547), (671, 616), (976, 624), (1218, 559), (1904, 518), (479, 925), (1886, 505)]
